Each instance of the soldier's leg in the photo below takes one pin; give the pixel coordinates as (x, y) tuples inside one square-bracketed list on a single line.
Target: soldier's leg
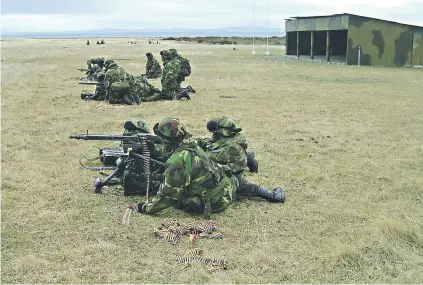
[(113, 98), (254, 190), (181, 95), (136, 99), (189, 89), (155, 97)]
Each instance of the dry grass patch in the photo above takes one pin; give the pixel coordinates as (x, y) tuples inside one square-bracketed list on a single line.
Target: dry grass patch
[(345, 142)]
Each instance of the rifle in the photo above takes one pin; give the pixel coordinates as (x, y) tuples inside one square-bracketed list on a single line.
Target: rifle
[(90, 83), (82, 69), (134, 146)]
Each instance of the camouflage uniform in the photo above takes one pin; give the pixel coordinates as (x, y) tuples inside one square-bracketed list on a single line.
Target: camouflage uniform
[(152, 68), (144, 90), (93, 71), (99, 60), (228, 147), (171, 85), (184, 69), (100, 89), (229, 150), (191, 180), (118, 87)]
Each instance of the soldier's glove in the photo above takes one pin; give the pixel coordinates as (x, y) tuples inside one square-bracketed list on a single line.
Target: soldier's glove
[(141, 208), (252, 163)]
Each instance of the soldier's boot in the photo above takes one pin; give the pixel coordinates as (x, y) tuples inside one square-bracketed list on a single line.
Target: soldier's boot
[(137, 99), (184, 95), (277, 195), (190, 89), (127, 100), (85, 95)]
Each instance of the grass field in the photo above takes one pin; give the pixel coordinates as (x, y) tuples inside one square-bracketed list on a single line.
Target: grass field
[(345, 142)]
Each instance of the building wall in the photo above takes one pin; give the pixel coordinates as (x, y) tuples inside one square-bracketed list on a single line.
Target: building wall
[(417, 58), (382, 43), (317, 24)]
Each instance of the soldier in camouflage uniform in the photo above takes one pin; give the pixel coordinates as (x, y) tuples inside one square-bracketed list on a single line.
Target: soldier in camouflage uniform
[(152, 67), (100, 90), (117, 84), (171, 84), (191, 179), (144, 90), (228, 147), (95, 65), (185, 69)]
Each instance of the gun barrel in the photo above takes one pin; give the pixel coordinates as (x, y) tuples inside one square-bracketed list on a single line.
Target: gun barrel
[(102, 137), (89, 83), (133, 138), (82, 69)]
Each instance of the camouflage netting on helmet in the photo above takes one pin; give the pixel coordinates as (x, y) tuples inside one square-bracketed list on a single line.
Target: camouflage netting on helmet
[(143, 126), (171, 130)]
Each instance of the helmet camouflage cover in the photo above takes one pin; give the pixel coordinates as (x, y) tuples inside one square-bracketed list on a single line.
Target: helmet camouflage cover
[(173, 52), (225, 126), (171, 130), (143, 126)]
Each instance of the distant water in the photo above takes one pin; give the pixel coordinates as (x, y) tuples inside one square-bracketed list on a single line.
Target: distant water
[(237, 32)]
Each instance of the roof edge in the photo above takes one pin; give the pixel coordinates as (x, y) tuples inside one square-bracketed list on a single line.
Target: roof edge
[(348, 14)]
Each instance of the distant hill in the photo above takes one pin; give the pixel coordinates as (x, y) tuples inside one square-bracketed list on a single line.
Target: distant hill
[(245, 31)]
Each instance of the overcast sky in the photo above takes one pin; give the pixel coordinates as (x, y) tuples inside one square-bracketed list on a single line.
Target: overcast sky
[(78, 15)]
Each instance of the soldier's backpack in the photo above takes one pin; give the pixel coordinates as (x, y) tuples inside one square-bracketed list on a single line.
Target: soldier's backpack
[(121, 88), (185, 67)]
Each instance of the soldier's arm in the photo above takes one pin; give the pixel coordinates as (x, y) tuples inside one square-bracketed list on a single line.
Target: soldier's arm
[(156, 65), (202, 142), (176, 179), (148, 66)]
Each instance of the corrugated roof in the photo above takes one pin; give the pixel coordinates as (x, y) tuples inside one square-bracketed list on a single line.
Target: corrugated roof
[(348, 14)]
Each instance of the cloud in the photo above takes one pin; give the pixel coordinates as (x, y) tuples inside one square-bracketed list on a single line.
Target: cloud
[(77, 15)]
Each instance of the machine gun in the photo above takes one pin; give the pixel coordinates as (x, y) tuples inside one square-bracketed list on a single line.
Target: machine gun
[(132, 147), (82, 69)]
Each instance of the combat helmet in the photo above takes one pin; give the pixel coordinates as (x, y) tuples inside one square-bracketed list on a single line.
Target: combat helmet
[(149, 55), (108, 62), (140, 126), (224, 126), (173, 53), (165, 54), (171, 130), (143, 126), (110, 65)]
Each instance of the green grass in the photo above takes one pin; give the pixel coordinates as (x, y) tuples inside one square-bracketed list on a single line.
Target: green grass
[(345, 142)]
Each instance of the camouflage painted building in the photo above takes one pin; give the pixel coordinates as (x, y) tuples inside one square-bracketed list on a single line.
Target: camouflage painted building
[(355, 38)]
